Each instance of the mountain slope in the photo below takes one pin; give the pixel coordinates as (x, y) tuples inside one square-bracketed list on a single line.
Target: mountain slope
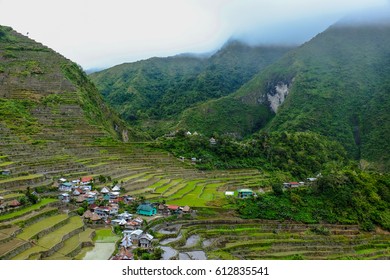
[(159, 89), (50, 113), (32, 73), (337, 85)]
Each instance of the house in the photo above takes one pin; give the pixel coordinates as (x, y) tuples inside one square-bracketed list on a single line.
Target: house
[(174, 209), (62, 180), (291, 185), (127, 232), (64, 197), (132, 225), (76, 192), (188, 133), (145, 240), (123, 254), (186, 209), (126, 242), (212, 141), (81, 199), (65, 187), (139, 220), (311, 180), (86, 180), (114, 195), (86, 188), (245, 193), (125, 215), (105, 190), (14, 203), (95, 218), (135, 235), (103, 212), (146, 209), (87, 214), (1, 200), (229, 193), (116, 189), (113, 210), (128, 199), (6, 172), (91, 197), (162, 209), (119, 222)]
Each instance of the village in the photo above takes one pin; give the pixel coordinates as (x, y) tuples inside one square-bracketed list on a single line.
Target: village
[(107, 207)]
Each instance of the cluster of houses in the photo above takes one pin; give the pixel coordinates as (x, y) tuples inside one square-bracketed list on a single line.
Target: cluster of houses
[(248, 193), (81, 190), (289, 185), (151, 209), (133, 239)]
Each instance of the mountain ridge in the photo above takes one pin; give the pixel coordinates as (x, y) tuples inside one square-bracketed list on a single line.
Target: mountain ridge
[(161, 92)]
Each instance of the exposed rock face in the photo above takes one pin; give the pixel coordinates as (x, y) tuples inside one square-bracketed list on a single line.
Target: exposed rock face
[(125, 136), (278, 95)]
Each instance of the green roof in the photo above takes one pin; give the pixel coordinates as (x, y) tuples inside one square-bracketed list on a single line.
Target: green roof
[(245, 190), (145, 207)]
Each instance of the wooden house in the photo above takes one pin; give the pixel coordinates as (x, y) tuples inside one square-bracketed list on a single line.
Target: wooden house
[(145, 240), (146, 209), (245, 193), (64, 197)]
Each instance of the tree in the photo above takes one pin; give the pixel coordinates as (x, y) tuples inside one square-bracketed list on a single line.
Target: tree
[(277, 188), (32, 198)]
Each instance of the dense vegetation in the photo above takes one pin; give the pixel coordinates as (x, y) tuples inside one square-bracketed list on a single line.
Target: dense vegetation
[(160, 89), (338, 85), (301, 154), (347, 196)]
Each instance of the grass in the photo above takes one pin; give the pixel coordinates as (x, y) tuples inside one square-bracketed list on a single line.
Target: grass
[(105, 236), (196, 194), (13, 195), (21, 178), (27, 253), (30, 231), (2, 164), (72, 243), (53, 238), (18, 213)]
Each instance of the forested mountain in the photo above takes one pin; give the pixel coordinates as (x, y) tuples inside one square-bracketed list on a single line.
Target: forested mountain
[(156, 91), (337, 85)]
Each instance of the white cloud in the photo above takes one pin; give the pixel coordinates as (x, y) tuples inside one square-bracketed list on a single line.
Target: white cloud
[(102, 33)]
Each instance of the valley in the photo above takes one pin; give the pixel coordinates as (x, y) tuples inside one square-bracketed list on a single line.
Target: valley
[(250, 153)]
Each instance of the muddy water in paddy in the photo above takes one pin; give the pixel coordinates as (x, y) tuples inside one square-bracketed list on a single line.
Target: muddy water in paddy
[(193, 255), (168, 252), (169, 240), (192, 241), (101, 251)]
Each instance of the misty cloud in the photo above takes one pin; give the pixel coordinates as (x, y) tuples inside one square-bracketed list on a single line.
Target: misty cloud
[(97, 33)]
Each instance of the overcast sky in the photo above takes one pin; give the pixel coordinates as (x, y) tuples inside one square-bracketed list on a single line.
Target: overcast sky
[(97, 33)]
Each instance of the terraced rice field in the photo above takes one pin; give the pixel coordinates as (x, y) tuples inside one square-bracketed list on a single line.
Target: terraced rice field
[(75, 148), (273, 240)]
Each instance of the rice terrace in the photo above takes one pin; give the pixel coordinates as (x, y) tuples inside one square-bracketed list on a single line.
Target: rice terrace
[(53, 229)]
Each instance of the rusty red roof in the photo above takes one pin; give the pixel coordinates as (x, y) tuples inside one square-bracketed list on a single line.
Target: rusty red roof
[(86, 179), (172, 207)]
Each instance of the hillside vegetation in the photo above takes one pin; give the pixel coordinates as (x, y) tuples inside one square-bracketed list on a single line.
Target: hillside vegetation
[(336, 85), (153, 93)]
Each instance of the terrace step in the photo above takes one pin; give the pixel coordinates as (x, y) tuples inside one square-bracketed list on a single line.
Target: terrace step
[(12, 248)]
